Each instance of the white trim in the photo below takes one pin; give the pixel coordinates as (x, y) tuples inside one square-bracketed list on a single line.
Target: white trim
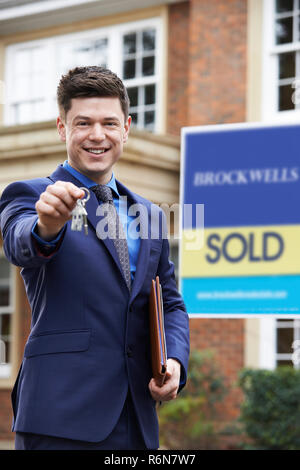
[(267, 346), (270, 77), (295, 327), (70, 13), (5, 371), (39, 7)]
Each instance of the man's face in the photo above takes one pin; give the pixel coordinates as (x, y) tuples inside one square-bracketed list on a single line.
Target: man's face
[(94, 131)]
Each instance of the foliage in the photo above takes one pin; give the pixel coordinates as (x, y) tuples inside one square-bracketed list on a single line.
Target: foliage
[(270, 414), (188, 421)]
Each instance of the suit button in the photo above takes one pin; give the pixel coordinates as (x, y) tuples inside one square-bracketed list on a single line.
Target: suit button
[(129, 352)]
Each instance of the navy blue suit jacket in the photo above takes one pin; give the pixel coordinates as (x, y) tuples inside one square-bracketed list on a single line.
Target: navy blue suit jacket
[(89, 338)]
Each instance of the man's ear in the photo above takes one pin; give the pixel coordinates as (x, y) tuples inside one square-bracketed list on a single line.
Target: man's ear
[(61, 128), (126, 129)]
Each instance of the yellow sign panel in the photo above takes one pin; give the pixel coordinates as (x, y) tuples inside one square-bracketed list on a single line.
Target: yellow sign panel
[(241, 251)]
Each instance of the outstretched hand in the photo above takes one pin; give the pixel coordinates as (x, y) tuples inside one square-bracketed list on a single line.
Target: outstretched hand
[(55, 206)]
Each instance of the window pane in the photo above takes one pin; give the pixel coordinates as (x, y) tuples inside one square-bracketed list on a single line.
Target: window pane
[(38, 62), (5, 328), (22, 62), (83, 53), (285, 98), (284, 30), (38, 86), (101, 45), (150, 94), (149, 40), (39, 111), (149, 119), (148, 66), (7, 351), (129, 43), (284, 6), (65, 57), (4, 296), (4, 269), (91, 52), (285, 337), (287, 65), (134, 118), (25, 113), (133, 96), (282, 362), (129, 69), (22, 87)]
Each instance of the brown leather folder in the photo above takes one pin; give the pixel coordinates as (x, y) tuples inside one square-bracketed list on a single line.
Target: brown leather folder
[(157, 333)]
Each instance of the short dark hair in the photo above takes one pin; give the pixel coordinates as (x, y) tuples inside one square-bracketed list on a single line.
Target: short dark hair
[(92, 81)]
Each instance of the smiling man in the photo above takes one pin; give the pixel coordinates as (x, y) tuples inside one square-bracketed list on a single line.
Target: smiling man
[(85, 381), (94, 130)]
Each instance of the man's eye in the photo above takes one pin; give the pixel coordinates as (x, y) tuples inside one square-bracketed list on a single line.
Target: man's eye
[(82, 123)]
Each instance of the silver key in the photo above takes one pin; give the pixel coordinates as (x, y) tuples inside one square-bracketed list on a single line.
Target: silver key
[(79, 214)]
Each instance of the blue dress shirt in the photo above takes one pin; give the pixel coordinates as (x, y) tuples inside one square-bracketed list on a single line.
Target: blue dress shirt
[(132, 240)]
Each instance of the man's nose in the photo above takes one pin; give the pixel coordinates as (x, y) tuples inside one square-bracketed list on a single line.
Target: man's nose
[(97, 132)]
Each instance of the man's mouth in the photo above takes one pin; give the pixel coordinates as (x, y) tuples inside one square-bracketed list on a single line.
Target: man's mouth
[(96, 151)]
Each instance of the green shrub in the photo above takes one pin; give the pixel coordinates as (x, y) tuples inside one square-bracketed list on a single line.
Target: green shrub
[(270, 414), (188, 421)]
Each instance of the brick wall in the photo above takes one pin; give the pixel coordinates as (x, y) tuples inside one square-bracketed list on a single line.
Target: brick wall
[(178, 67), (207, 63), (226, 338)]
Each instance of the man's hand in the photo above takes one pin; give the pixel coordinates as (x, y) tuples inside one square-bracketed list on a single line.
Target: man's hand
[(169, 389), (55, 206)]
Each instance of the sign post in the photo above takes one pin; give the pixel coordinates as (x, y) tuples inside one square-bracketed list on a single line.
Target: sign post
[(247, 176)]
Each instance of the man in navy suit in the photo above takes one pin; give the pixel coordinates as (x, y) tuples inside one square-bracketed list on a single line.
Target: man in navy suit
[(85, 381)]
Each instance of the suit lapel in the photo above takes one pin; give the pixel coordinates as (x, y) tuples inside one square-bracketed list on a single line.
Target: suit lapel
[(144, 251)]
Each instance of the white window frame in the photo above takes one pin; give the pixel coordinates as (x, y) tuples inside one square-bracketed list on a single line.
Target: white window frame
[(114, 55), (269, 105), (6, 369), (267, 343), (268, 354), (294, 324)]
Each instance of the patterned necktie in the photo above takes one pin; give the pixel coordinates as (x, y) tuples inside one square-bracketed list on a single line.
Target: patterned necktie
[(115, 229)]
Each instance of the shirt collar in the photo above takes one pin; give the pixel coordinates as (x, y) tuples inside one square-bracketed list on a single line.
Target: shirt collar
[(87, 182)]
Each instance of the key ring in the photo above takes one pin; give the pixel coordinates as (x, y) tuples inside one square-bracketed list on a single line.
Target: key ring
[(84, 200)]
